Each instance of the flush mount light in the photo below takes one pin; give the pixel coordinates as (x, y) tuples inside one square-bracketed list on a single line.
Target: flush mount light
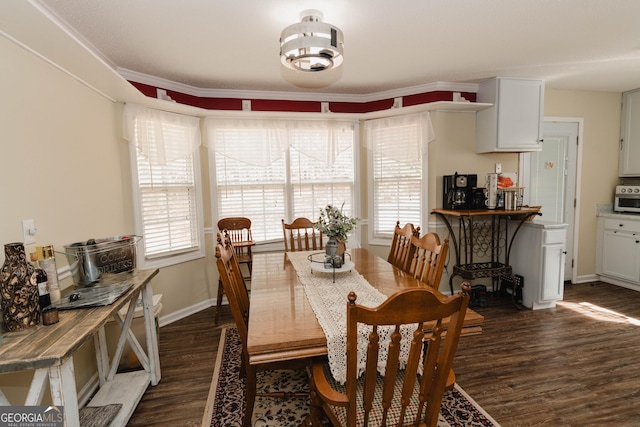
[(311, 45)]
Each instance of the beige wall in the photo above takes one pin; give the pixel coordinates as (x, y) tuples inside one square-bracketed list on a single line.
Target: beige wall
[(64, 164)]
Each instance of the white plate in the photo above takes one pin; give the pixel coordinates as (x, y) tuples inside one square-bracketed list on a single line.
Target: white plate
[(319, 266)]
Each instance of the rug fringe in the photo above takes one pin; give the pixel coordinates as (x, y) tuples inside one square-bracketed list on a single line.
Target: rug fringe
[(208, 410)]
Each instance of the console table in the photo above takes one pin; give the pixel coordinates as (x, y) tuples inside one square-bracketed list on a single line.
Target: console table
[(483, 233), (48, 350)]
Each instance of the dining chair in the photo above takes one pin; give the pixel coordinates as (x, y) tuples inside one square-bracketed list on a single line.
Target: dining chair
[(400, 251), (239, 229), (428, 258), (300, 235), (407, 395), (238, 297)]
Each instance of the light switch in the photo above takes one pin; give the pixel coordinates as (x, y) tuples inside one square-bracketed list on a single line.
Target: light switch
[(29, 231)]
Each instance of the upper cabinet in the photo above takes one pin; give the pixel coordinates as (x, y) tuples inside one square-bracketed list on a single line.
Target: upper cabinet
[(514, 123), (629, 163)]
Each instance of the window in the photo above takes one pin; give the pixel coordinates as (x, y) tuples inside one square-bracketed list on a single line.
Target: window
[(268, 170), (398, 168), (166, 185)]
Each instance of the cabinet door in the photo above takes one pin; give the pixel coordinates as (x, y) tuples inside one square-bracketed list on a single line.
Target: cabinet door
[(520, 116), (629, 163), (514, 123), (620, 252), (552, 288)]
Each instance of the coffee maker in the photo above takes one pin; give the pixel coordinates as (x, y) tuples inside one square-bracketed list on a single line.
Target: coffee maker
[(457, 191)]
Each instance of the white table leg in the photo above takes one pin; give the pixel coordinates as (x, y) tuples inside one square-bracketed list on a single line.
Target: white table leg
[(64, 393), (152, 337)]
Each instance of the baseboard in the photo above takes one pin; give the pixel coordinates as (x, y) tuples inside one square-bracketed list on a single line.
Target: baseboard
[(185, 312), (587, 279)]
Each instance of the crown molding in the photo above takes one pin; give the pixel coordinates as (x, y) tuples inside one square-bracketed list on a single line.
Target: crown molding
[(292, 96)]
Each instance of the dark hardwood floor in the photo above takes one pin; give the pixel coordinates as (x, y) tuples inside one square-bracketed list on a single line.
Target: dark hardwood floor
[(575, 365), (188, 351)]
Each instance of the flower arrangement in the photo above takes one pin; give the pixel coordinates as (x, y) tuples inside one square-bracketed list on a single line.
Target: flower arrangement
[(334, 223)]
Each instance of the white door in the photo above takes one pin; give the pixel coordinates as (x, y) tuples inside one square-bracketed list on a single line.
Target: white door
[(550, 180)]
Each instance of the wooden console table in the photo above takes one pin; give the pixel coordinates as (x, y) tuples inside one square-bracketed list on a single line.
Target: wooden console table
[(48, 350), (483, 233)]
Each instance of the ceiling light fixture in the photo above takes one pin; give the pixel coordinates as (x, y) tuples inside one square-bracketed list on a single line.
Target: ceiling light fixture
[(311, 45)]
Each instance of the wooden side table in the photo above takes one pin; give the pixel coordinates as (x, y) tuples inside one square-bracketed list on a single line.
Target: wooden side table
[(48, 350)]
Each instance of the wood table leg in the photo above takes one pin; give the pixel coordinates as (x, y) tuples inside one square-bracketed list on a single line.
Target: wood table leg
[(63, 391)]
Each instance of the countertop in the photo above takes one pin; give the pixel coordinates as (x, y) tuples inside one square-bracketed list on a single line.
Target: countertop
[(547, 225), (608, 212)]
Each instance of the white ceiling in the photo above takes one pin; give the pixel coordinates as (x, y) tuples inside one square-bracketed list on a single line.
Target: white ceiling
[(389, 45)]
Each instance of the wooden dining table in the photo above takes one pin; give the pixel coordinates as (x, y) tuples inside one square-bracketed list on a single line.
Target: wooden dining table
[(282, 324)]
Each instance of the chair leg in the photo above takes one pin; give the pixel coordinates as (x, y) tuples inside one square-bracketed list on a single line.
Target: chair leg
[(250, 397), (219, 301)]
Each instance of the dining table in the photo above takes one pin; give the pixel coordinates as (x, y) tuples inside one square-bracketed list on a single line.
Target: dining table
[(282, 324)]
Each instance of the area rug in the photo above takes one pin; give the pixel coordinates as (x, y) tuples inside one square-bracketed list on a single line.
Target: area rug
[(225, 405)]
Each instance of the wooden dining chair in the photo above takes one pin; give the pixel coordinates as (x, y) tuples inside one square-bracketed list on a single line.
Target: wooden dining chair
[(300, 235), (428, 258), (239, 229), (238, 297), (411, 395), (400, 251)]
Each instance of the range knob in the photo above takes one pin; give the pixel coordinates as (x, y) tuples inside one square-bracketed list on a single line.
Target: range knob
[(636, 190)]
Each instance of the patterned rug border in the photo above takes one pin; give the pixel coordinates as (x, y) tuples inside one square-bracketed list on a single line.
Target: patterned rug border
[(458, 408)]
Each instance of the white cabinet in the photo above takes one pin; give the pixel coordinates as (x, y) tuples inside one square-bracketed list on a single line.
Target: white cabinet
[(618, 249), (629, 163), (537, 255), (514, 123)]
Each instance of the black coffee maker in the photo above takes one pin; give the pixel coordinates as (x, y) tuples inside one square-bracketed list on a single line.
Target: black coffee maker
[(457, 191)]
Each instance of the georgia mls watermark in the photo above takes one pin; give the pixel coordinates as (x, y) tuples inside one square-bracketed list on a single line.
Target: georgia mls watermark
[(31, 416)]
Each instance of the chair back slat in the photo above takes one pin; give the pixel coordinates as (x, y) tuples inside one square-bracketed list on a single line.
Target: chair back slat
[(428, 259), (300, 235), (401, 252)]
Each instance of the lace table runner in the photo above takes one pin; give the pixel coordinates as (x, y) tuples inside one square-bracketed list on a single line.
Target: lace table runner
[(328, 299)]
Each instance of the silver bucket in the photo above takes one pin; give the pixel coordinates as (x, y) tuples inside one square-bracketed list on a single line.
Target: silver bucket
[(89, 260)]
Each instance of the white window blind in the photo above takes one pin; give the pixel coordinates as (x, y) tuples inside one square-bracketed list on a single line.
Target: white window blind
[(166, 182), (321, 172), (397, 164), (269, 170)]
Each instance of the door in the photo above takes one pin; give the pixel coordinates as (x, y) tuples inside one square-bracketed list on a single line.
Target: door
[(550, 178)]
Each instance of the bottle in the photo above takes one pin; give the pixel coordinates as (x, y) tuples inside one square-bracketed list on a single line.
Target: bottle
[(47, 261), (44, 299)]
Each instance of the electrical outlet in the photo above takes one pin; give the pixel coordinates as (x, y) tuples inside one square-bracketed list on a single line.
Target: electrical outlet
[(29, 231), (498, 167)]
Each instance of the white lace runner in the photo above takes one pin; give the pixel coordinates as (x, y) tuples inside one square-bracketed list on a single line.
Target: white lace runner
[(329, 303)]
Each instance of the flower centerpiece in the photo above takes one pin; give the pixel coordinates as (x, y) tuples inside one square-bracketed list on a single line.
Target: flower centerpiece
[(336, 225)]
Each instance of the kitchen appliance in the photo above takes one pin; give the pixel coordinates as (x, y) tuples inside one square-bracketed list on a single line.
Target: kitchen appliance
[(492, 191), (478, 198), (457, 191), (627, 198)]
